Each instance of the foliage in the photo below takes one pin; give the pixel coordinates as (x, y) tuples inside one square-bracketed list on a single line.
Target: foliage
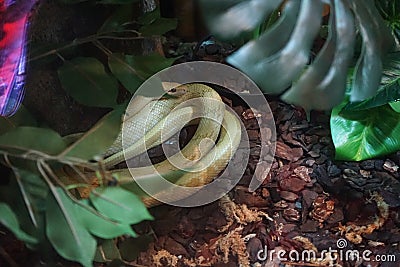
[(279, 60), (107, 213), (89, 73), (370, 128), (43, 202), (365, 134)]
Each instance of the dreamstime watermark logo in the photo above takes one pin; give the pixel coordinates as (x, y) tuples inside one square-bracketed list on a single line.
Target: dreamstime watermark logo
[(328, 256), (147, 110)]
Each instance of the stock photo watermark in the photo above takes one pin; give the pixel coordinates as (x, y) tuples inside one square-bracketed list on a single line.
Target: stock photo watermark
[(329, 256)]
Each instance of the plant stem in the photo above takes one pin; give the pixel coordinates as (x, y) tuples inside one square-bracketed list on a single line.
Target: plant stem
[(88, 39)]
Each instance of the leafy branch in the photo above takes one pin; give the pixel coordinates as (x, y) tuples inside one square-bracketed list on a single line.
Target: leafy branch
[(107, 213)]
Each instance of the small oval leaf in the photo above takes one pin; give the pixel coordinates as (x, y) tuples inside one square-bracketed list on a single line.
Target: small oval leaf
[(102, 226), (66, 233), (98, 138), (32, 138), (119, 204), (9, 220), (86, 80)]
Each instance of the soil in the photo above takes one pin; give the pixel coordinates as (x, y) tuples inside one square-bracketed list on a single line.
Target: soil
[(307, 202)]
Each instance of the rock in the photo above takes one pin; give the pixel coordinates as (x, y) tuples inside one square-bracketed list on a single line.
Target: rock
[(292, 184), (291, 215), (333, 171), (289, 196), (310, 226), (368, 165)]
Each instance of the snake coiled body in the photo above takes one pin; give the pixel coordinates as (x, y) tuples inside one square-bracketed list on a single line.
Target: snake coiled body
[(149, 123)]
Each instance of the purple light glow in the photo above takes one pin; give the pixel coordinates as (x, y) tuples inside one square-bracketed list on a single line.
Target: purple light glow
[(14, 17)]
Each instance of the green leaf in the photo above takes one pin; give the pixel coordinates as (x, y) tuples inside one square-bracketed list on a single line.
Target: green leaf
[(131, 70), (101, 226), (9, 220), (119, 204), (368, 70), (107, 251), (229, 19), (390, 10), (86, 80), (100, 137), (27, 199), (365, 134), (118, 18), (148, 65), (322, 86), (32, 138), (395, 106), (389, 90), (275, 73), (34, 191), (130, 78), (69, 237), (159, 27), (21, 118)]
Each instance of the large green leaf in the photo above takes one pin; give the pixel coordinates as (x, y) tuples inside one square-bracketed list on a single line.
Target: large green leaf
[(368, 70), (32, 138), (86, 80), (389, 90), (230, 19), (276, 72), (323, 84), (119, 204), (65, 231), (100, 137), (131, 70), (279, 57), (9, 220), (360, 135), (276, 37)]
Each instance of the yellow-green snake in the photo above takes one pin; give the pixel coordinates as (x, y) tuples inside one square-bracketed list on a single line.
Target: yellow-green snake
[(150, 122)]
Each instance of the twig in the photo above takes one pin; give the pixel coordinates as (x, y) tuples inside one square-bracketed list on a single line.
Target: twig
[(87, 39)]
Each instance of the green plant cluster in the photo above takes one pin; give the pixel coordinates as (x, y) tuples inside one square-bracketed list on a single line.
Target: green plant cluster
[(355, 72), (37, 203)]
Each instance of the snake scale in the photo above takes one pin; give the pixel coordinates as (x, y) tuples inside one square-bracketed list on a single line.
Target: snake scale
[(149, 122)]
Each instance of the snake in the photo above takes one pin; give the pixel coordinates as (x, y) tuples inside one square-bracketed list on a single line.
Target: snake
[(149, 122)]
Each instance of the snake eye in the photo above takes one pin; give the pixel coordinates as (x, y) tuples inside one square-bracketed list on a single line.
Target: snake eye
[(173, 90)]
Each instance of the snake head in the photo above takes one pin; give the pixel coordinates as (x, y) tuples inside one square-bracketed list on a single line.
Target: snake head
[(178, 91)]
